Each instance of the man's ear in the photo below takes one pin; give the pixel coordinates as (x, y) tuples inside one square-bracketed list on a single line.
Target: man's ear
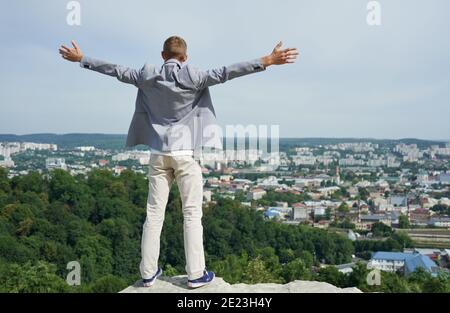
[(163, 55)]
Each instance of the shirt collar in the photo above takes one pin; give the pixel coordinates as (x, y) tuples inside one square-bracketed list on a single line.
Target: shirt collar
[(173, 60)]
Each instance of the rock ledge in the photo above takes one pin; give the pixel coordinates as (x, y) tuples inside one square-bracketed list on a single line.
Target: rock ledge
[(177, 284)]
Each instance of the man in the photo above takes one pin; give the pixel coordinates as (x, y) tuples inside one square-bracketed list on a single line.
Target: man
[(173, 113)]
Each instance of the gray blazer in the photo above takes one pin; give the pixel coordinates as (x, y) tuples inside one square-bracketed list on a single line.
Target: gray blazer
[(173, 110)]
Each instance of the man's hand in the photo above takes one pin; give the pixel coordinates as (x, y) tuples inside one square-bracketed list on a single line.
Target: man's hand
[(71, 54), (280, 56)]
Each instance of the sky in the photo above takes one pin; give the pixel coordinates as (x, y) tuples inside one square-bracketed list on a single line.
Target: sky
[(351, 79)]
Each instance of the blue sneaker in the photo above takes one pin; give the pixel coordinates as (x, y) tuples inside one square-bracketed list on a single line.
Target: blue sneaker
[(149, 282), (207, 277)]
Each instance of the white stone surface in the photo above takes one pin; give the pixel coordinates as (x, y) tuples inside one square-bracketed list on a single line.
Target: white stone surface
[(178, 284)]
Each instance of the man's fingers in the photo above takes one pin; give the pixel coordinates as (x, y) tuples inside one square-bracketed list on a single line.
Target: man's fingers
[(278, 46), (290, 50), (65, 53), (74, 44), (290, 53), (65, 48), (286, 57), (289, 58)]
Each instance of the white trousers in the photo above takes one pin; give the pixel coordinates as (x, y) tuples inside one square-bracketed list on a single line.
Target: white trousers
[(163, 170)]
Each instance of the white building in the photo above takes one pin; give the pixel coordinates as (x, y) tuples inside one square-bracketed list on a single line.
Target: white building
[(327, 191), (256, 194), (207, 194), (443, 222), (319, 211), (9, 148), (121, 157), (270, 181), (145, 160), (350, 161), (52, 163), (304, 160), (388, 261), (119, 169), (406, 263), (38, 146), (85, 148), (7, 162), (300, 213)]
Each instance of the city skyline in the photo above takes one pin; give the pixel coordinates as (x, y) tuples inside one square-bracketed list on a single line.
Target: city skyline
[(440, 140), (351, 81)]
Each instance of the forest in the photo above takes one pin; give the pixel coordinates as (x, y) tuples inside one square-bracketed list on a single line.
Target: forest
[(50, 219)]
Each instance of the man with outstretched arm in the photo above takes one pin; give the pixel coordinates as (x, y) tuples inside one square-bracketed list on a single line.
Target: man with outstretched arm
[(173, 109)]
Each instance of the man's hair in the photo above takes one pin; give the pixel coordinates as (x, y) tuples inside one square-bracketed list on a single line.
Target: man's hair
[(175, 47)]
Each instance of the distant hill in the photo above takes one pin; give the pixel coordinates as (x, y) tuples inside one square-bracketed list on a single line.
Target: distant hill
[(324, 141), (117, 141)]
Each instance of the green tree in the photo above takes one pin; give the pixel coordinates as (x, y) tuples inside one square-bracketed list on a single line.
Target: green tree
[(358, 276), (95, 257), (328, 212), (343, 209), (296, 270), (286, 255), (4, 181), (363, 193), (31, 278), (331, 274), (257, 272), (402, 238), (381, 230), (403, 222), (108, 284), (231, 268)]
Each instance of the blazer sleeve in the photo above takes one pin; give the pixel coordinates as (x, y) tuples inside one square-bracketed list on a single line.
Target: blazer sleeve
[(203, 79), (122, 73)]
